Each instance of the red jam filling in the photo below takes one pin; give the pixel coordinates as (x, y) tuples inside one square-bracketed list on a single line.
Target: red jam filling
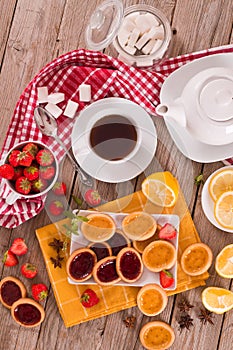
[(107, 271), (27, 314), (130, 265), (82, 265), (10, 292), (117, 242), (100, 250)]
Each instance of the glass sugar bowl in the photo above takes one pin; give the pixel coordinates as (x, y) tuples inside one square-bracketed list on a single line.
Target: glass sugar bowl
[(139, 35)]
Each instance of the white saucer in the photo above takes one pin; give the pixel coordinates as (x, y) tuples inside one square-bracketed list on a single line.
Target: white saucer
[(208, 203), (100, 168), (187, 144)]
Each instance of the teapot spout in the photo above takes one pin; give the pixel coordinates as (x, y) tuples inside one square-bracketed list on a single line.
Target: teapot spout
[(174, 112)]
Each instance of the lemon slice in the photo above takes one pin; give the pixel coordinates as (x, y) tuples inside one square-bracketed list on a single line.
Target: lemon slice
[(218, 300), (224, 262), (223, 210), (221, 182), (161, 189)]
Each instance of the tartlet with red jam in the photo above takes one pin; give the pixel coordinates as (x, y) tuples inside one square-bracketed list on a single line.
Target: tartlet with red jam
[(80, 264), (118, 241), (129, 265), (11, 290), (101, 249), (105, 272), (27, 312)]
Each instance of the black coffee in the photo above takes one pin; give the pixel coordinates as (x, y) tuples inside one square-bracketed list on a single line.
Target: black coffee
[(113, 137)]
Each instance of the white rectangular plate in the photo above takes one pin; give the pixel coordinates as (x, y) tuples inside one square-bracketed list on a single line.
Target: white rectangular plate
[(79, 241)]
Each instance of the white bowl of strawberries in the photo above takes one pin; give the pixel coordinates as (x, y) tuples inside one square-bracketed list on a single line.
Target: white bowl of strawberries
[(30, 170)]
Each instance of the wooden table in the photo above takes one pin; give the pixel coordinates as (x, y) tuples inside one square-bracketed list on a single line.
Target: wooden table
[(32, 33)]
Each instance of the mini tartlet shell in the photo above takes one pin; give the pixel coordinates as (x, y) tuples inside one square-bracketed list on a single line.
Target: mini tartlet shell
[(157, 335), (99, 227), (88, 265), (151, 299), (196, 259), (159, 255), (18, 283), (130, 265), (25, 301), (102, 265), (139, 226)]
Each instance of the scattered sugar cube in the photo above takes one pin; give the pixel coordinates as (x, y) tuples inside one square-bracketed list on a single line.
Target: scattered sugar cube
[(71, 109), (53, 109), (157, 44), (85, 92), (133, 37), (56, 97), (142, 24), (42, 94)]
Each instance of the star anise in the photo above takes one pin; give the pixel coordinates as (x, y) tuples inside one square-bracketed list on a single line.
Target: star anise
[(57, 245), (205, 316), (130, 321), (57, 261), (185, 321), (184, 305)]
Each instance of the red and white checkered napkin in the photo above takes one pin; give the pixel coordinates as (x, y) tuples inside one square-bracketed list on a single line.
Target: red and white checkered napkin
[(108, 77)]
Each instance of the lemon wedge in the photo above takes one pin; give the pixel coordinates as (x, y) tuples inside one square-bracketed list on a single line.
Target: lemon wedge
[(161, 189), (220, 183), (223, 210), (218, 300), (224, 262)]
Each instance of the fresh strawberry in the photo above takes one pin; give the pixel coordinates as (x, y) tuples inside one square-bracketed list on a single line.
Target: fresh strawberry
[(7, 171), (39, 291), (32, 148), (47, 172), (31, 172), (44, 157), (18, 171), (25, 158), (14, 157), (39, 185), (167, 231), (56, 208), (18, 247), (29, 270), (92, 197), (9, 259), (23, 185), (59, 188), (89, 298), (166, 279)]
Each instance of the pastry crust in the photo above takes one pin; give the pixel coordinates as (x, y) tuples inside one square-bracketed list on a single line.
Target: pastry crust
[(132, 262), (159, 255), (17, 282), (25, 301), (139, 226), (152, 299), (161, 331), (104, 265), (84, 254), (196, 259), (99, 227)]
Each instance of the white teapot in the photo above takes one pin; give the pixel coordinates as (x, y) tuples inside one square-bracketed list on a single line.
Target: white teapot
[(205, 107)]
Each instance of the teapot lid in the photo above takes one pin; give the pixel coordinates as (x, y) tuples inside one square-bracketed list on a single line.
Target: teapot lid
[(216, 99)]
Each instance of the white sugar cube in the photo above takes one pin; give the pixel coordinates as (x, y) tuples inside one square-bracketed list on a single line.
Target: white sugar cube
[(53, 109), (145, 63), (128, 25), (159, 32), (85, 92), (148, 47), (56, 97), (151, 19), (70, 109), (123, 36), (142, 41), (42, 94), (126, 60), (133, 37), (132, 16), (157, 45), (142, 24), (130, 49)]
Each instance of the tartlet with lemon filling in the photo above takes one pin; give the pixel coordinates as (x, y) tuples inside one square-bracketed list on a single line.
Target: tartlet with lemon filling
[(152, 299), (159, 255), (99, 227), (196, 259), (157, 335), (139, 226)]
